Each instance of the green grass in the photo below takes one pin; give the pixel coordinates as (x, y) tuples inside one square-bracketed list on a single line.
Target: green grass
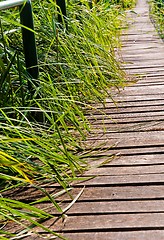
[(41, 129), (157, 13)]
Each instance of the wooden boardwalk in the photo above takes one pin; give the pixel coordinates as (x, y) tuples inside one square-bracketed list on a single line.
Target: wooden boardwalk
[(126, 199)]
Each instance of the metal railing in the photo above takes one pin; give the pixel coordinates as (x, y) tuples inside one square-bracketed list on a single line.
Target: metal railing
[(28, 36), (26, 19), (10, 3), (62, 11)]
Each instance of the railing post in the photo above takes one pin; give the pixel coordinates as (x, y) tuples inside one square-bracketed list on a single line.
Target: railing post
[(29, 43), (62, 10)]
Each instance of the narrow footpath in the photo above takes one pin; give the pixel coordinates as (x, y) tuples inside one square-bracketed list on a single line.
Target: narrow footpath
[(126, 199)]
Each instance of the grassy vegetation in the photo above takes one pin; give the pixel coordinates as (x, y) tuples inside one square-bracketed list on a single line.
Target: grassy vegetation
[(41, 127), (157, 12)]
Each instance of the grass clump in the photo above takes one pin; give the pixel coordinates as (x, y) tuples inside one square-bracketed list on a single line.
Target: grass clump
[(157, 12), (43, 120)]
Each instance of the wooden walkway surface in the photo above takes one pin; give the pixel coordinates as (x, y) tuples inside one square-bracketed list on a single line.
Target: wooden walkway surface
[(126, 199)]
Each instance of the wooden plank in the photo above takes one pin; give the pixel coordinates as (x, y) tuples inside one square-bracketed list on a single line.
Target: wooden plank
[(109, 235), (127, 170), (130, 40), (132, 150), (140, 121), (127, 127), (109, 207), (126, 117), (118, 193), (126, 37), (142, 47), (105, 235), (124, 114), (126, 104), (115, 222), (121, 97), (128, 139), (149, 66), (139, 57), (136, 54), (107, 163), (129, 59), (145, 72), (123, 125), (146, 138), (137, 160), (102, 193), (150, 90), (126, 180), (123, 151), (122, 146), (155, 78), (122, 161), (113, 207), (131, 109), (138, 97), (149, 83), (143, 63)]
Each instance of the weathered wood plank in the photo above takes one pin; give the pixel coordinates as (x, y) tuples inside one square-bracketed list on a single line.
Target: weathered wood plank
[(122, 97), (126, 104), (127, 180), (113, 222), (122, 161), (138, 55), (149, 83), (118, 193), (109, 235), (130, 109), (110, 207), (142, 47), (127, 170), (100, 193), (142, 65), (133, 150), (128, 139), (127, 127), (113, 207), (137, 160), (133, 90), (126, 117)]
